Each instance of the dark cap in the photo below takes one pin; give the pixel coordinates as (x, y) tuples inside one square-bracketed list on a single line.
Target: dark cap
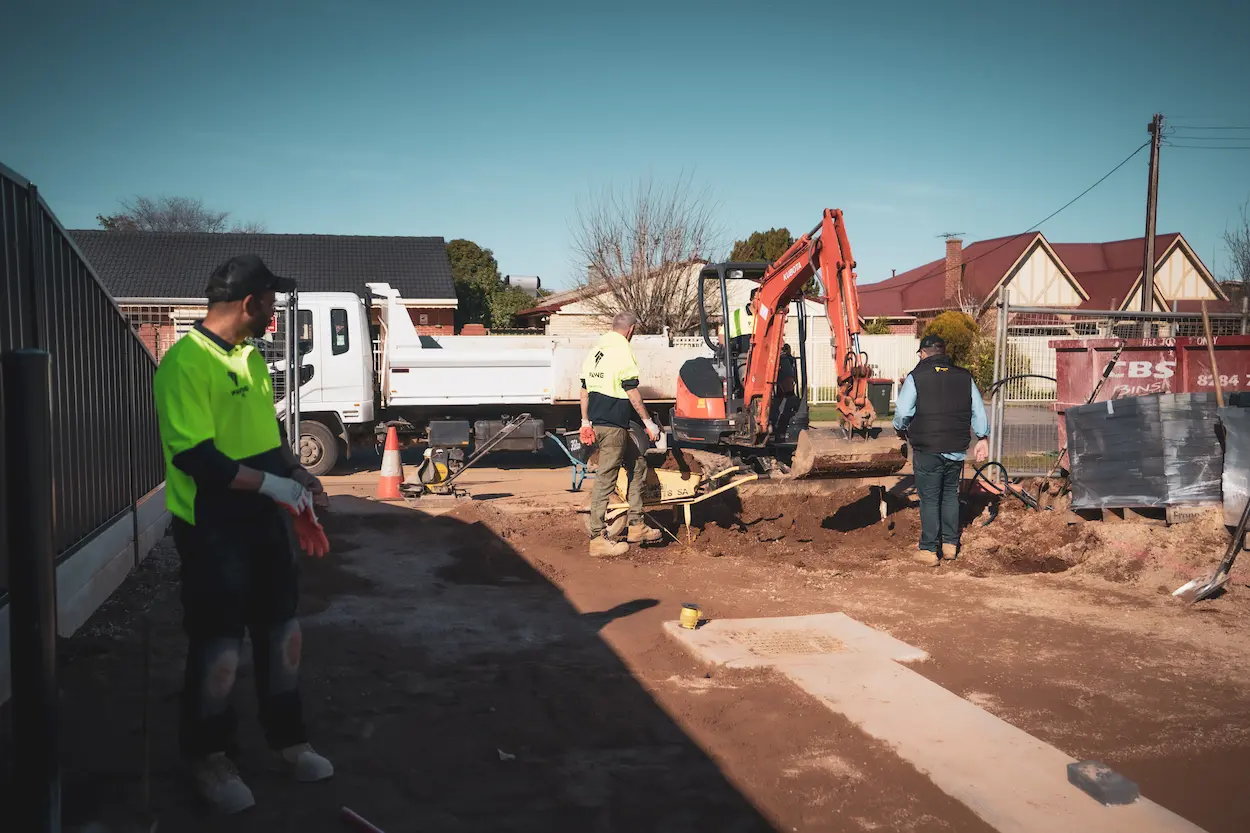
[(932, 340), (241, 276)]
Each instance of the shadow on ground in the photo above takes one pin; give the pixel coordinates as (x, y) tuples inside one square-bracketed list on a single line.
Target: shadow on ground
[(454, 687)]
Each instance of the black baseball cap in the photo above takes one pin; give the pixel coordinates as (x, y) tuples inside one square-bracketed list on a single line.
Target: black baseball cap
[(244, 275), (932, 340)]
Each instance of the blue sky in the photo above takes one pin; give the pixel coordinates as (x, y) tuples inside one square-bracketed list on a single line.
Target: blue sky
[(489, 121)]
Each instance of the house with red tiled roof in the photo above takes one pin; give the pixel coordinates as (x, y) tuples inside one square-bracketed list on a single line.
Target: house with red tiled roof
[(1037, 273)]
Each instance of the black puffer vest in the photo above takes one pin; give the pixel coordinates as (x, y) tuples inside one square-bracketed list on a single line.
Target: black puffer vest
[(943, 420)]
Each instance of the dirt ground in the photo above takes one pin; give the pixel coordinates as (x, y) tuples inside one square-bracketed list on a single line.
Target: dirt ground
[(467, 666)]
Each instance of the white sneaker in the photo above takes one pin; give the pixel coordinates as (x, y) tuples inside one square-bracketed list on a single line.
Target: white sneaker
[(305, 764), (218, 783)]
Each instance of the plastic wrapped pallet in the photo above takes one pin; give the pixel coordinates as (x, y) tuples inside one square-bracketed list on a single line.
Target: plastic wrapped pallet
[(1236, 422), (1145, 451)]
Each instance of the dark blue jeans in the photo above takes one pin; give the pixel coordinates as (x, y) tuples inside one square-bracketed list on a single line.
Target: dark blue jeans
[(937, 484)]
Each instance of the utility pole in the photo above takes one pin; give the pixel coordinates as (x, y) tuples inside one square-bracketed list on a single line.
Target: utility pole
[(1152, 204)]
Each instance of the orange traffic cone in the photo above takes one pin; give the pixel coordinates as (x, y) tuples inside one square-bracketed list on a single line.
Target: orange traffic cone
[(392, 468)]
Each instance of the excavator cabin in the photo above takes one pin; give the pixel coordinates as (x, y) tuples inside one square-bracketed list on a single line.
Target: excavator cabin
[(710, 411)]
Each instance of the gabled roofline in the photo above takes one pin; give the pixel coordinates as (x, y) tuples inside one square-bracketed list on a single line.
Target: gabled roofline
[(1193, 256), (1038, 239)]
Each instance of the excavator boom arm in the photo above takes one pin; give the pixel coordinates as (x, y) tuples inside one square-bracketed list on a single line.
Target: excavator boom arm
[(826, 249)]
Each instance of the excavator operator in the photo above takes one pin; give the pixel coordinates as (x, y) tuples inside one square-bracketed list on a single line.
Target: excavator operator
[(741, 328)]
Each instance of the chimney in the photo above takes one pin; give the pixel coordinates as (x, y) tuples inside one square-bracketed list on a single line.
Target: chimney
[(954, 269)]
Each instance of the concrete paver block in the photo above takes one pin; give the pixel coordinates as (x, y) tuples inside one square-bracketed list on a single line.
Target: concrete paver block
[(1102, 782)]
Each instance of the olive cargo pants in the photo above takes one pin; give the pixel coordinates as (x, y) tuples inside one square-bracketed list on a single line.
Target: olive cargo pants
[(616, 450)]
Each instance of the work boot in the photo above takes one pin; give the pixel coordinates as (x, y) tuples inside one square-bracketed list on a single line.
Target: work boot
[(949, 551), (305, 764), (218, 783), (929, 559), (601, 547), (643, 534)]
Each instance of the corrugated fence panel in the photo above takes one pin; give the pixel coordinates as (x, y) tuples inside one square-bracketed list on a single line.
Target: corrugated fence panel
[(107, 451)]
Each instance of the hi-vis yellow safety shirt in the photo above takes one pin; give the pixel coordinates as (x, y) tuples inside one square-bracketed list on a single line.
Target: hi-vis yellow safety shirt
[(608, 373), (741, 323), (214, 404)]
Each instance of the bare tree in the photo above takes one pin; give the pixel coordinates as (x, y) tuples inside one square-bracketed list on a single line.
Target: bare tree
[(1237, 244), (641, 248), (172, 214)]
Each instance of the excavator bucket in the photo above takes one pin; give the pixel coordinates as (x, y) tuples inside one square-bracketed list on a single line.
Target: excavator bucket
[(825, 452)]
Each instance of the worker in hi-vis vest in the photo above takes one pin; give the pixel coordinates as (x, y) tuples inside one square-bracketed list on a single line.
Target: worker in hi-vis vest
[(611, 400), (232, 485), (741, 328)]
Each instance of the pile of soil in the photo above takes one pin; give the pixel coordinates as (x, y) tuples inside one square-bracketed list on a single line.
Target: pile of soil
[(840, 529), (843, 530)]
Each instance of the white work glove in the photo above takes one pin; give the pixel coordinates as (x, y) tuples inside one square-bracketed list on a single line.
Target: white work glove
[(286, 492), (653, 430)]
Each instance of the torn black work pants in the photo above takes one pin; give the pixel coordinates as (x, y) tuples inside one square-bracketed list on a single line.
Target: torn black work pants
[(239, 576)]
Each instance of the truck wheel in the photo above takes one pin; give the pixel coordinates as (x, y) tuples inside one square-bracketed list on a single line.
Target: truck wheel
[(318, 448)]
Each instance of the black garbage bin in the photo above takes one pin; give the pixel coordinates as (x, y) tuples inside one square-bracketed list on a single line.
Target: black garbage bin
[(879, 394)]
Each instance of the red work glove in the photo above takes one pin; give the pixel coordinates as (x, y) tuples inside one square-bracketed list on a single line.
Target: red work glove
[(587, 434), (312, 538)]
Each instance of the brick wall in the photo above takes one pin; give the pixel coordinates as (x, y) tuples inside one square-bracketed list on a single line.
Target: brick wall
[(433, 322)]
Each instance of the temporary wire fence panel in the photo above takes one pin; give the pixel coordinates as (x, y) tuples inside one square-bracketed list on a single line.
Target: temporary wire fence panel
[(107, 454), (1029, 425)]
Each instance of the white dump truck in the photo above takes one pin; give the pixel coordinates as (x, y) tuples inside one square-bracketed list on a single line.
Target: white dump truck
[(449, 393)]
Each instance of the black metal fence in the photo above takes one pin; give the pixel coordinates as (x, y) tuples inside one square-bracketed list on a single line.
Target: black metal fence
[(106, 452)]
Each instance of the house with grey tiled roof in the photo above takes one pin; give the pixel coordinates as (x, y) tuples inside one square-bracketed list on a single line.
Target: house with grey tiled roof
[(158, 278)]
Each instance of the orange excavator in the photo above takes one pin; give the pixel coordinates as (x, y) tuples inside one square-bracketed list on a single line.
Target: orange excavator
[(749, 417)]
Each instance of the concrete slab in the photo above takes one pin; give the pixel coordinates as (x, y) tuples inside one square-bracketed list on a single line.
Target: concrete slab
[(753, 643), (1012, 780)]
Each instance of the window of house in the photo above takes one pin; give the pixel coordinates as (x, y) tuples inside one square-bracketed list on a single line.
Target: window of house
[(339, 341)]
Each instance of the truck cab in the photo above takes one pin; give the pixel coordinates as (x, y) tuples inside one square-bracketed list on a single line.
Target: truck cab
[(337, 391)]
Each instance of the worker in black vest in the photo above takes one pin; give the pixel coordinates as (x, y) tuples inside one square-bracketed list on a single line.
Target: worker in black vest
[(937, 409)]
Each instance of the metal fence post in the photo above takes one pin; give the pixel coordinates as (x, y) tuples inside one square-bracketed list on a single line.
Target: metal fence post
[(291, 379), (1004, 368), (999, 353), (296, 376), (26, 377)]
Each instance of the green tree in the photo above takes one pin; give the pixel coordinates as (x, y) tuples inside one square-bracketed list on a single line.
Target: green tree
[(505, 304), (762, 246), (959, 331), (981, 364), (475, 273)]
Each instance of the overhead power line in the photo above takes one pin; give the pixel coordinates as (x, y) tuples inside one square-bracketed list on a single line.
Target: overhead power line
[(1209, 147), (1046, 219), (1196, 127)]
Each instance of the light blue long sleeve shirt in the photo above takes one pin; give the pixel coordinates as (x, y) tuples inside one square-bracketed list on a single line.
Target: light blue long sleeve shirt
[(905, 410)]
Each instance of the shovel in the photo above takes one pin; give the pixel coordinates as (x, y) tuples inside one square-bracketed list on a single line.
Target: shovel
[(1208, 585)]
